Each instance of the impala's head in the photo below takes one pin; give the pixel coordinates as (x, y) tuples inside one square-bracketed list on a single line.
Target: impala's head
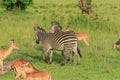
[(26, 67), (13, 44), (38, 31), (55, 27), (67, 29), (116, 43)]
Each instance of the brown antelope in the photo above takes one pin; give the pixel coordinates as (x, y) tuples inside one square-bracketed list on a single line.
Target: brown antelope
[(15, 65), (80, 35), (5, 53), (115, 44), (35, 74)]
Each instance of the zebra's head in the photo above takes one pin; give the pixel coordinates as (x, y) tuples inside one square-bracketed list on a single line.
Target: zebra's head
[(38, 31), (55, 27)]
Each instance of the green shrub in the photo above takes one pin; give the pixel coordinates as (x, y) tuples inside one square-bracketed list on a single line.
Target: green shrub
[(16, 4)]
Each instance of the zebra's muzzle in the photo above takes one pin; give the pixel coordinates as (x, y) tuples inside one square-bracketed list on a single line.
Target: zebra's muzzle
[(37, 42)]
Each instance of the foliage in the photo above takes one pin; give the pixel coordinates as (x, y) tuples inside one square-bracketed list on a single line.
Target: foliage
[(16, 4)]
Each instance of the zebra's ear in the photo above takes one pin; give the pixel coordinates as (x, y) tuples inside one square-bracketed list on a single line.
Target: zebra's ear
[(34, 28), (119, 39), (38, 27)]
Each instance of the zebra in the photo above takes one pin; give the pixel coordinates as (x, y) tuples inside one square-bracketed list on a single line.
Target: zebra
[(55, 28), (62, 41)]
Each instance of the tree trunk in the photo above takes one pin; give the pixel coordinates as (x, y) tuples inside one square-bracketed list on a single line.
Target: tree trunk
[(85, 6)]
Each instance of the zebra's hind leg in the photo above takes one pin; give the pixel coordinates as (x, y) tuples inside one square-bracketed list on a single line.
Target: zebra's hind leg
[(73, 56), (67, 54), (63, 54), (77, 53)]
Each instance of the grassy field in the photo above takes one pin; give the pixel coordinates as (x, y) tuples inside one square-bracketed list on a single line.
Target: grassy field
[(100, 61)]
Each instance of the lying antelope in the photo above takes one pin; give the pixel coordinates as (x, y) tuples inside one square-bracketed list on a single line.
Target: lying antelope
[(5, 53), (80, 35), (34, 75), (15, 65), (115, 44)]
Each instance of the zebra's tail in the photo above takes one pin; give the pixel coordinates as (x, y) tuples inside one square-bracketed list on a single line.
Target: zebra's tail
[(79, 52)]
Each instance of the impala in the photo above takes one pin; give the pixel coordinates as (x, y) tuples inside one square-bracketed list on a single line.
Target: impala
[(15, 65), (80, 36), (115, 44), (35, 74), (28, 71), (5, 53)]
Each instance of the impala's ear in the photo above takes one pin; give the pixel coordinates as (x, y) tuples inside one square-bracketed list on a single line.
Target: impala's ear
[(23, 65), (27, 64), (67, 28), (12, 41)]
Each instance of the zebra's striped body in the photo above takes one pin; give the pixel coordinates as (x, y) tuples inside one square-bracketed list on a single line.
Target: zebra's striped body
[(63, 41), (55, 28)]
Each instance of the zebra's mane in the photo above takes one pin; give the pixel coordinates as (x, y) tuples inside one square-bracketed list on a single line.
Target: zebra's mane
[(41, 29)]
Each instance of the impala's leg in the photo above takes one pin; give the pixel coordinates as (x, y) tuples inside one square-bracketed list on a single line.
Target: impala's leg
[(17, 75), (86, 42), (1, 64)]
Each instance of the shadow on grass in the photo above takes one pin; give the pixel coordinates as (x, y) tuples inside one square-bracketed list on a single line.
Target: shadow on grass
[(57, 58)]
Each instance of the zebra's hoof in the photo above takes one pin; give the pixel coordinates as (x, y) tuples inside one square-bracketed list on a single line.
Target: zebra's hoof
[(78, 63), (46, 61), (62, 64), (68, 59), (72, 61), (49, 62)]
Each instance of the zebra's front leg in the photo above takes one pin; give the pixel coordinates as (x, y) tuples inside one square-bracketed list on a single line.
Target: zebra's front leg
[(51, 54), (44, 57), (45, 51)]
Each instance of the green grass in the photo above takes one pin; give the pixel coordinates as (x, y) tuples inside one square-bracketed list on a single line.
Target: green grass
[(100, 61)]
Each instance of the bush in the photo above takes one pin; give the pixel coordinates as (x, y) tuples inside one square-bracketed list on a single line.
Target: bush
[(16, 4)]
